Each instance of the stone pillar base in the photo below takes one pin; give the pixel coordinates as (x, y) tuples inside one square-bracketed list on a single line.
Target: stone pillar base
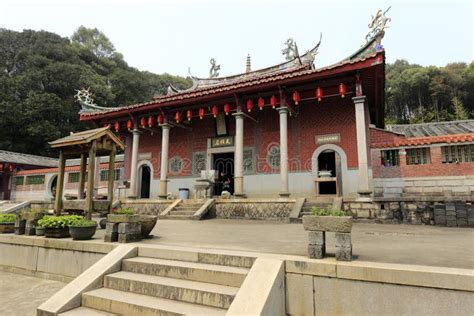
[(239, 186), (163, 194), (343, 247), (285, 194)]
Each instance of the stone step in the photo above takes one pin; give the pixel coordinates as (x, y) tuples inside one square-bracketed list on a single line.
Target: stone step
[(85, 311), (189, 206), (172, 216), (179, 212), (197, 256), (193, 271), (127, 303), (171, 288)]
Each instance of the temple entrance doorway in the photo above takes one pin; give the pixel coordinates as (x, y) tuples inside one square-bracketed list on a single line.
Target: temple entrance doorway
[(145, 181), (52, 186), (329, 173), (223, 163)]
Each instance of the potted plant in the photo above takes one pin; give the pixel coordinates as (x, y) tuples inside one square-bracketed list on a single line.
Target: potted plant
[(328, 219), (7, 223), (57, 226), (123, 215), (82, 229), (147, 222)]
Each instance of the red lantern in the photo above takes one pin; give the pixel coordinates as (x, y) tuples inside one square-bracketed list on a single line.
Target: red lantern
[(189, 115), (117, 127), (177, 117), (261, 103), (273, 101), (201, 113), (296, 97), (249, 105), (319, 93), (142, 122), (160, 119), (129, 124), (215, 111), (10, 167), (150, 121), (342, 90), (227, 108)]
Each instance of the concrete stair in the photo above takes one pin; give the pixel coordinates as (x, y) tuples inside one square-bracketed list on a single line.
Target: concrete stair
[(316, 202), (185, 209), (160, 282)]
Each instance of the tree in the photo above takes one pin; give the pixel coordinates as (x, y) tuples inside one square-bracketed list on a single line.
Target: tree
[(94, 41), (460, 112)]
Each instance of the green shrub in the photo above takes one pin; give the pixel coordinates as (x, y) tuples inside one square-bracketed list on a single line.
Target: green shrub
[(7, 218), (125, 211), (49, 221), (327, 211), (83, 223)]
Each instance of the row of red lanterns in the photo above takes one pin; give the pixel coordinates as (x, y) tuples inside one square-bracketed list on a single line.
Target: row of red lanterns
[(144, 122)]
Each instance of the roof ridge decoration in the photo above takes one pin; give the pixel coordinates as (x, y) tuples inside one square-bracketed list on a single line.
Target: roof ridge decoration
[(86, 100), (291, 51)]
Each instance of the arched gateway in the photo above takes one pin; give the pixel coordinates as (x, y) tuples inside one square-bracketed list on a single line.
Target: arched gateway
[(331, 158)]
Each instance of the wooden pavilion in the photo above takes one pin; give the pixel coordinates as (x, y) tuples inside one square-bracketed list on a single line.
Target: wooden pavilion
[(87, 144)]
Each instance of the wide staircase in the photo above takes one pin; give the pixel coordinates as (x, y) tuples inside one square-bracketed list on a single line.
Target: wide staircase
[(315, 202), (187, 209), (158, 286)]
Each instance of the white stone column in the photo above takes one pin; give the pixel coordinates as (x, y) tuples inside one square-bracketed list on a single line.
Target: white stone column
[(363, 188), (239, 154), (284, 192), (165, 141), (134, 163)]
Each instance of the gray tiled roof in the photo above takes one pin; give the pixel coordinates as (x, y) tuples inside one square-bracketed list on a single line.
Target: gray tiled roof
[(434, 129), (25, 159)]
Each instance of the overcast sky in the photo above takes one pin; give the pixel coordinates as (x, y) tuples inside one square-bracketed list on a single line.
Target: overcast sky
[(170, 36)]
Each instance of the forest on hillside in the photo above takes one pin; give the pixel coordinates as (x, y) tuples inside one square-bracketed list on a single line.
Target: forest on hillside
[(40, 72)]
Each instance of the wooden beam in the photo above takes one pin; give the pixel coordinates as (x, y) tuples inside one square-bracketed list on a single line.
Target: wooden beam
[(58, 205), (90, 181), (82, 177), (110, 188)]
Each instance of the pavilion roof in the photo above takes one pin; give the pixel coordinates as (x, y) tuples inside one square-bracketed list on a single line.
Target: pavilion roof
[(83, 139)]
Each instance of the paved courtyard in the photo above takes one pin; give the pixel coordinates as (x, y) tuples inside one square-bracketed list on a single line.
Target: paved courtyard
[(20, 294), (407, 244)]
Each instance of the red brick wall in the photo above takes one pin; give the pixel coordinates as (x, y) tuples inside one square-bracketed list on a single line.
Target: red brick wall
[(434, 169)]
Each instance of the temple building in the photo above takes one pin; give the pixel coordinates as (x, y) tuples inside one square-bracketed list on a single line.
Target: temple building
[(289, 129)]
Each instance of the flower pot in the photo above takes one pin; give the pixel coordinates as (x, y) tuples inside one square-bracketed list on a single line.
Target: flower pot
[(56, 232), (337, 224), (39, 231), (82, 232), (7, 228), (147, 222)]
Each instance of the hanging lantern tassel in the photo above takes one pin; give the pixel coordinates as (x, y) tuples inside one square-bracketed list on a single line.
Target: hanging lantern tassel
[(160, 119), (249, 105), (201, 113), (227, 108), (117, 127), (150, 121), (261, 103), (273, 101), (319, 93), (189, 115), (342, 90), (296, 97), (177, 117)]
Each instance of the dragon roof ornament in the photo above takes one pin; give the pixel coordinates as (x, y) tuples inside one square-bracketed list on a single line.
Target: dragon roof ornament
[(377, 26), (86, 100)]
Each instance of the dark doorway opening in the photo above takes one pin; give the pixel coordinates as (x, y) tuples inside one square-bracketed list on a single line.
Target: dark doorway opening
[(53, 187), (327, 162), (145, 182), (224, 166)]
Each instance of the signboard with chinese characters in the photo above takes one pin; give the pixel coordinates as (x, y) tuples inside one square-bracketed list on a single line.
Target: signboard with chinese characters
[(224, 141), (327, 139)]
